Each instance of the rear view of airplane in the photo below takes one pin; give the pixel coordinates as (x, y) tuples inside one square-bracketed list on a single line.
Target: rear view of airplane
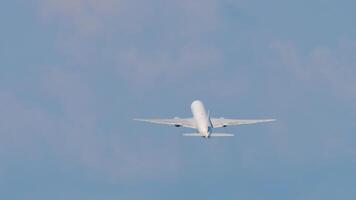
[(202, 122)]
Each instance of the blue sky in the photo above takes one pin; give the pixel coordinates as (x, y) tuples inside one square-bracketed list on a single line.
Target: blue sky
[(73, 73)]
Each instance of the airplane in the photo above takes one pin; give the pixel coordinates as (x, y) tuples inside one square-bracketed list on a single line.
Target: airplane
[(202, 122)]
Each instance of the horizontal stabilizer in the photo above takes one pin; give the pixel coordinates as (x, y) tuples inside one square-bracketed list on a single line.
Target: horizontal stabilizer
[(221, 135), (211, 135)]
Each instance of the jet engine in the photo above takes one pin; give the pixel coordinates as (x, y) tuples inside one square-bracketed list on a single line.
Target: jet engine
[(177, 125)]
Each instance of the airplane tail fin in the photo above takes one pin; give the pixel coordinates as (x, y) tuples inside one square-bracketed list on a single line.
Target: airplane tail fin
[(211, 124)]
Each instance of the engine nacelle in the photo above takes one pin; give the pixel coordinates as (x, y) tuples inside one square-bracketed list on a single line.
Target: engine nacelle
[(177, 125)]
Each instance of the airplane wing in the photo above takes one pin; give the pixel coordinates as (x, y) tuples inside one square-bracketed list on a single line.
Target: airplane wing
[(221, 122), (185, 122)]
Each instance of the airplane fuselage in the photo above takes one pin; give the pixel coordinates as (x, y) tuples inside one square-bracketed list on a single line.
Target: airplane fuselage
[(202, 120)]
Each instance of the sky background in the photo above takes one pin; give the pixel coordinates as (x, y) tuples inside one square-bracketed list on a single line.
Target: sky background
[(73, 74)]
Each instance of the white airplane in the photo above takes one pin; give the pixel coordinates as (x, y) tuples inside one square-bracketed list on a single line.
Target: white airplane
[(203, 123)]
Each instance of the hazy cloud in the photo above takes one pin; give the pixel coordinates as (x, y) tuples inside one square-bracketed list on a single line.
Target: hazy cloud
[(104, 153), (156, 43), (67, 127), (334, 66), (149, 39), (22, 127)]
